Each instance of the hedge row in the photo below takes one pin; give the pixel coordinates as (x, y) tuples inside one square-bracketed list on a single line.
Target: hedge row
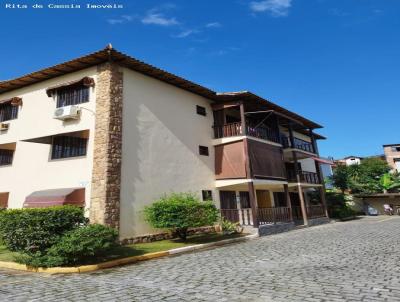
[(53, 236)]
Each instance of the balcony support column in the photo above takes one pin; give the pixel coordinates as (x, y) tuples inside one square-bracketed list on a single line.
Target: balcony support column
[(302, 204), (253, 204), (300, 189), (322, 188), (313, 141), (288, 201), (249, 174), (291, 137), (243, 119)]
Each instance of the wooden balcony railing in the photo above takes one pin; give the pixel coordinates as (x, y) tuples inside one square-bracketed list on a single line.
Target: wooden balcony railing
[(243, 216), (230, 214), (309, 177), (263, 133), (298, 144), (297, 214), (305, 176), (315, 211), (235, 129), (273, 215), (228, 130)]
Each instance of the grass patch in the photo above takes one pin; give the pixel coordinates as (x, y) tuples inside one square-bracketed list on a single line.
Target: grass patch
[(141, 248), (163, 245), (6, 255)]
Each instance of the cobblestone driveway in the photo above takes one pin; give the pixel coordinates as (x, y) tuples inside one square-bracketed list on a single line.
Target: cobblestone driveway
[(351, 261)]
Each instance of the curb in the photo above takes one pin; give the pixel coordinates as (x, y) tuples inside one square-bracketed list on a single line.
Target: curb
[(122, 261)]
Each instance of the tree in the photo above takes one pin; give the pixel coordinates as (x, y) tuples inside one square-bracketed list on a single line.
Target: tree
[(389, 182), (340, 178), (366, 177), (181, 211)]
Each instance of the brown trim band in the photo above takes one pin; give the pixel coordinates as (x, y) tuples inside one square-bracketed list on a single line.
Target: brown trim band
[(15, 101), (86, 82)]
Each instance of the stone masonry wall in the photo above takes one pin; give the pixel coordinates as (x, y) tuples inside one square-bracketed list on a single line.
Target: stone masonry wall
[(169, 235), (106, 176), (390, 156), (270, 229), (318, 221)]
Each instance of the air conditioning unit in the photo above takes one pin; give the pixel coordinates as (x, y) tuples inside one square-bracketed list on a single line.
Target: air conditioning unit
[(4, 126), (67, 113)]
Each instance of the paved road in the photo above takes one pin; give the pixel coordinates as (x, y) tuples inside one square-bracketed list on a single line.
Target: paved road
[(352, 261)]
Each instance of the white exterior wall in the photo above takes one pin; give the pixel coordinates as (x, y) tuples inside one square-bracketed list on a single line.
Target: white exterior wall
[(308, 165), (353, 161), (32, 167), (161, 137)]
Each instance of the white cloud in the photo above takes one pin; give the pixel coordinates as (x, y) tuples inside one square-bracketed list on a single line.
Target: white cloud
[(155, 17), (277, 8), (213, 25), (115, 21), (122, 19), (186, 33)]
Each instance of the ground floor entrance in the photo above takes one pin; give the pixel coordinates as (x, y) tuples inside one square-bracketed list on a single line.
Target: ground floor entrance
[(272, 203)]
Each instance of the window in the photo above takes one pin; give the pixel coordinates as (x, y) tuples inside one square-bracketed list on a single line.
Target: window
[(8, 112), (207, 195), (395, 148), (245, 200), (201, 110), (279, 199), (68, 146), (6, 157), (72, 96), (203, 150)]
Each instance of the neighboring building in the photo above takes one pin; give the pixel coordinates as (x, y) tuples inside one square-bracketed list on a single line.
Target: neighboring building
[(112, 134), (349, 160), (392, 154), (356, 160), (378, 200)]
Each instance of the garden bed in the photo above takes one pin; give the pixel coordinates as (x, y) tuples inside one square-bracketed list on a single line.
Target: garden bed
[(142, 248)]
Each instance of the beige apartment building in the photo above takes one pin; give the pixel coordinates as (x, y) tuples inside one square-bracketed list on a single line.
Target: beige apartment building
[(392, 155), (112, 134)]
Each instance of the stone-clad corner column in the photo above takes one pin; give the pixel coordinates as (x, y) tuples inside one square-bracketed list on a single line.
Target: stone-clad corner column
[(106, 174)]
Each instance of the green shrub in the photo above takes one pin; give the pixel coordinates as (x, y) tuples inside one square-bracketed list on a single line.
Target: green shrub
[(342, 212), (229, 227), (33, 231), (337, 205), (75, 247), (334, 199), (181, 211)]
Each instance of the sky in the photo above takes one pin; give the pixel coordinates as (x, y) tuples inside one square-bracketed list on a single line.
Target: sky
[(336, 62)]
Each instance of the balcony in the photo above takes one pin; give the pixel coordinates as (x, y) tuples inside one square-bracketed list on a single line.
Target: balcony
[(242, 216), (235, 129), (305, 177), (313, 211), (273, 215), (228, 130), (297, 144), (264, 215)]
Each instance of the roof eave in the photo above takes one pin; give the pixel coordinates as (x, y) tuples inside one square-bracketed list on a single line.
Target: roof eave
[(242, 95)]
